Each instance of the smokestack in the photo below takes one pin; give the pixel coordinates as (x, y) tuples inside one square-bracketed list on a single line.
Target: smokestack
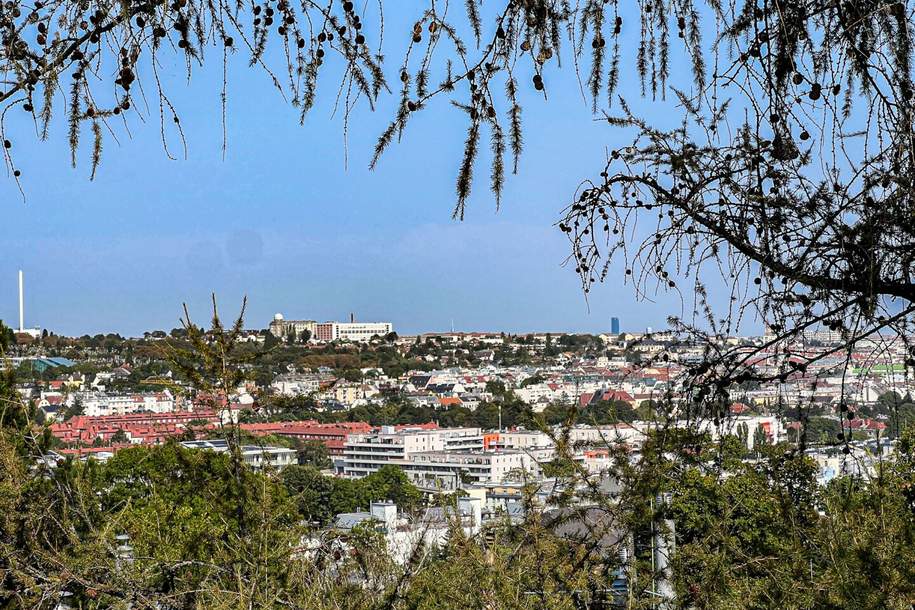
[(21, 305)]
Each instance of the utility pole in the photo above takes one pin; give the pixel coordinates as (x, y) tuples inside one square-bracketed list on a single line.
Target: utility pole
[(662, 550)]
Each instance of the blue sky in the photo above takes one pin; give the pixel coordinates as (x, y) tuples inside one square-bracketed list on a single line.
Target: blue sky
[(283, 221)]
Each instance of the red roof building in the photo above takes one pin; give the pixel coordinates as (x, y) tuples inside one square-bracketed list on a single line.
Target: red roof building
[(144, 428), (333, 436)]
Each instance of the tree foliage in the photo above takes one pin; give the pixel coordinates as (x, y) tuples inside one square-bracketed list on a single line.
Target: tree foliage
[(319, 498)]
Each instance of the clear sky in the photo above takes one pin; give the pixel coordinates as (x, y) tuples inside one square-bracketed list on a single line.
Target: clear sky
[(285, 222)]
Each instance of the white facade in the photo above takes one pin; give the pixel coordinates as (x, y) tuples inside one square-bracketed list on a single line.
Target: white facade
[(296, 384), (361, 332), (357, 332), (450, 470), (364, 454), (99, 403), (521, 439), (770, 426), (404, 536), (603, 436), (256, 458), (537, 392)]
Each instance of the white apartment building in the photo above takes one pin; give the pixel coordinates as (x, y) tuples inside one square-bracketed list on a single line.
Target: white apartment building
[(450, 470), (431, 529), (537, 446), (611, 435), (296, 384), (537, 392), (463, 439), (256, 458), (519, 439), (99, 403), (364, 454), (770, 425)]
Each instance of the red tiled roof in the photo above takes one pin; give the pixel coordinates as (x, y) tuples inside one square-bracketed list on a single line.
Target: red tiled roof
[(150, 428), (738, 407), (866, 424), (616, 395), (332, 435), (427, 426)]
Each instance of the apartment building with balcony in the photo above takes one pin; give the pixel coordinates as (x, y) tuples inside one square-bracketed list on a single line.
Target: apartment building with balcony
[(451, 470), (364, 454)]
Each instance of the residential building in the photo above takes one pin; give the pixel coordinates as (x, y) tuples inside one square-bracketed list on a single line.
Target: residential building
[(296, 384), (451, 470), (364, 454), (100, 403), (403, 535), (332, 436), (146, 428), (255, 457)]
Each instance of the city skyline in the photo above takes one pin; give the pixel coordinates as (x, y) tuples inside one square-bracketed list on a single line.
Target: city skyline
[(257, 324), (42, 311)]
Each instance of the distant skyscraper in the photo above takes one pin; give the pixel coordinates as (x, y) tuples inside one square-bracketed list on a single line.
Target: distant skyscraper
[(615, 326)]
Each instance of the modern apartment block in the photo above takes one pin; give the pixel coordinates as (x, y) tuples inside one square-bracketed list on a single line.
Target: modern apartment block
[(254, 457), (325, 331), (450, 470), (364, 454)]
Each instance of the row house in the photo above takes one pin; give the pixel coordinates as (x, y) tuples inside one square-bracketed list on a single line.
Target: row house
[(101, 403)]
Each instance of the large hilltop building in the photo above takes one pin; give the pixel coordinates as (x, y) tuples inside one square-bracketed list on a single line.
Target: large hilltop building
[(357, 332), (281, 327)]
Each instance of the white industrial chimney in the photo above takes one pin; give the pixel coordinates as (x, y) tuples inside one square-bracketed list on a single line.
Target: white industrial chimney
[(21, 305)]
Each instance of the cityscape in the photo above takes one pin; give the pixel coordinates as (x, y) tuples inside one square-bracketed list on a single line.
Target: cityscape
[(485, 418), (98, 397), (503, 305)]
